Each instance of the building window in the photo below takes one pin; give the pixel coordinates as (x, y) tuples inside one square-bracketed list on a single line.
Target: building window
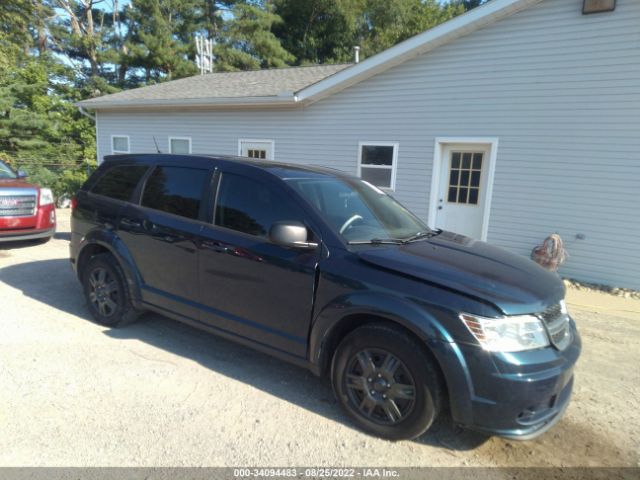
[(180, 145), (119, 144), (464, 177), (377, 163)]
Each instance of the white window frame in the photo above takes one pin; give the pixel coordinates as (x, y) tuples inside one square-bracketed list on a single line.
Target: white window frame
[(178, 138), (491, 144), (115, 152), (257, 140), (394, 161)]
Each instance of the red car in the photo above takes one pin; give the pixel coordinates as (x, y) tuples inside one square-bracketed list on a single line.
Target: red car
[(27, 211)]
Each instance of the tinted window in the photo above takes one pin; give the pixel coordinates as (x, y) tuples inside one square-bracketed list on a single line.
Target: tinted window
[(252, 207), (176, 190), (119, 182)]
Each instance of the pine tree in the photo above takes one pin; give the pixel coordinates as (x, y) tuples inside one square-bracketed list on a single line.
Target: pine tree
[(246, 41)]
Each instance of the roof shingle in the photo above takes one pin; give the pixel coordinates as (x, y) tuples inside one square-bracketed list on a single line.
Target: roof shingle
[(228, 85)]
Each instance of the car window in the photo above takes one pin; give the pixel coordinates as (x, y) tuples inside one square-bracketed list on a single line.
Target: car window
[(252, 207), (6, 172), (358, 210), (176, 190), (119, 182)]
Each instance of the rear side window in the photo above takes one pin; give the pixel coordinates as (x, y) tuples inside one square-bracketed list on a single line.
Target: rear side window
[(251, 207), (119, 182), (176, 190)]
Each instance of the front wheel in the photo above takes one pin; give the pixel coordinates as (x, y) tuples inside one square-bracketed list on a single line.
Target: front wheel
[(386, 383)]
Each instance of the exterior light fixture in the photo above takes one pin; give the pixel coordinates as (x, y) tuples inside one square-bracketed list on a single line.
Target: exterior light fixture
[(598, 6)]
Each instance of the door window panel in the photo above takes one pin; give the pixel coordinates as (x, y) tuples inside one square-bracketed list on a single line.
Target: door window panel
[(176, 190), (119, 182), (251, 207), (256, 153), (464, 177)]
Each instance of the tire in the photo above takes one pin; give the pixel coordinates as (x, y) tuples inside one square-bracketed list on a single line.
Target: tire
[(42, 241), (379, 397), (107, 298)]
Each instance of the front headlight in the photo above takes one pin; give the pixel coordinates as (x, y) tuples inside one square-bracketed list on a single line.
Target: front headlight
[(507, 334), (46, 197)]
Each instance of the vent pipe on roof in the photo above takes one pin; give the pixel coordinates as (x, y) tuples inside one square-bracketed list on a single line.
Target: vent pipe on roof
[(356, 52)]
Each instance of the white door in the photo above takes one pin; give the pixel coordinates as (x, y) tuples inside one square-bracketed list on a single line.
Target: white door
[(462, 191), (256, 149)]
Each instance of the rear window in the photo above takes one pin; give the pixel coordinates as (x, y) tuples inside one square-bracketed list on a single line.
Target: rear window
[(119, 182), (176, 190)]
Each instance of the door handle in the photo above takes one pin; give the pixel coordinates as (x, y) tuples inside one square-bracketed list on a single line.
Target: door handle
[(127, 222), (214, 246)]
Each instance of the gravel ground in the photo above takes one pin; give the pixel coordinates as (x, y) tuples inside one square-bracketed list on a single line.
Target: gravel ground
[(158, 393)]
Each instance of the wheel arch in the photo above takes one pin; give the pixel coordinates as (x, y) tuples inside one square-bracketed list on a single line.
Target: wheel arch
[(335, 322), (96, 243)]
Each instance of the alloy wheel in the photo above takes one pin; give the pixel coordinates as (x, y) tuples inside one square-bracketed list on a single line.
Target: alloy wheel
[(380, 386), (103, 291)]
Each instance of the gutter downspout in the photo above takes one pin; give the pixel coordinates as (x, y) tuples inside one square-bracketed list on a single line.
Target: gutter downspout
[(88, 115)]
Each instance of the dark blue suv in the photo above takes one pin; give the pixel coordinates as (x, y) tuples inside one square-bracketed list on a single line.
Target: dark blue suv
[(327, 271)]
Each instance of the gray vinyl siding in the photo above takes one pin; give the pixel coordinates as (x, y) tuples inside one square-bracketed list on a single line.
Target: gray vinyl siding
[(561, 92)]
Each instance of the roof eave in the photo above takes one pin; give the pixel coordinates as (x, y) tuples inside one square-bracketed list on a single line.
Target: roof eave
[(276, 100)]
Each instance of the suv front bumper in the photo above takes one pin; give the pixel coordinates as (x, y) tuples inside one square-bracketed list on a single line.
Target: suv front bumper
[(517, 395), (40, 225)]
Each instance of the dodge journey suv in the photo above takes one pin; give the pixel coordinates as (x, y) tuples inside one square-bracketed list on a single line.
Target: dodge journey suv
[(327, 271)]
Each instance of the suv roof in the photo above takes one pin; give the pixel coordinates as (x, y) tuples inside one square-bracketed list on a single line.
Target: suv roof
[(280, 169)]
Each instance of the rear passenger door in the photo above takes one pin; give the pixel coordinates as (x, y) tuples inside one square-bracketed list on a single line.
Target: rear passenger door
[(162, 233)]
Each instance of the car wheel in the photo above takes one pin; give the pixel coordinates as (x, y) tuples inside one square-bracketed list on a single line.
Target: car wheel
[(386, 383), (42, 241), (104, 287)]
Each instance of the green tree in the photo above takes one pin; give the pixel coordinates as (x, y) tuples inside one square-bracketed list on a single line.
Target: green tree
[(319, 31), (388, 22), (325, 31), (246, 40)]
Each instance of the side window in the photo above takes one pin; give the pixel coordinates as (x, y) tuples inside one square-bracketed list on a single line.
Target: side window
[(119, 182), (378, 162), (176, 190), (251, 207), (181, 145), (119, 144)]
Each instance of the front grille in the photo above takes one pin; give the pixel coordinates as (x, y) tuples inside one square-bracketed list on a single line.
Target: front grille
[(557, 324), (17, 205)]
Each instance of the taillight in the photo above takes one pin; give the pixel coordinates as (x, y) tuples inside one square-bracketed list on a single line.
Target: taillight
[(74, 202)]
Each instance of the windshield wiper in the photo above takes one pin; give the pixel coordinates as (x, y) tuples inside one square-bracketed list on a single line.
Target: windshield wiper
[(378, 241), (419, 236)]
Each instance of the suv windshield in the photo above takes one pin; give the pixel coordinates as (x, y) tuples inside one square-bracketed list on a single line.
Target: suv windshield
[(360, 212), (6, 172)]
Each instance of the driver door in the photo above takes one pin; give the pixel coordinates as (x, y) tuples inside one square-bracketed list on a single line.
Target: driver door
[(248, 285)]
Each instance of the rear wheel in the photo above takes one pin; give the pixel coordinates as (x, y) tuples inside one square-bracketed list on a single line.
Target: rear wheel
[(386, 383), (104, 288)]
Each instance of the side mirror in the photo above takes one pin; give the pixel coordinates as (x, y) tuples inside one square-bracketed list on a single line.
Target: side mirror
[(22, 174), (290, 234)]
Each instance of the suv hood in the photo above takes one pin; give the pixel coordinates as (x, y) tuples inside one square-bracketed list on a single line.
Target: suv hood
[(15, 183), (513, 283)]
